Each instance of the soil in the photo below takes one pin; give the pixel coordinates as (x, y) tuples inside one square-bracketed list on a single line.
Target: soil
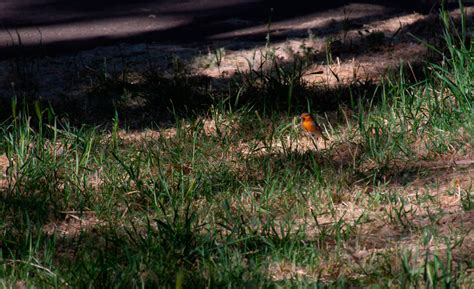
[(365, 40)]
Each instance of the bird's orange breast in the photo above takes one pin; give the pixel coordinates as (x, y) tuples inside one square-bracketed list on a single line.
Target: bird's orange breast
[(309, 125)]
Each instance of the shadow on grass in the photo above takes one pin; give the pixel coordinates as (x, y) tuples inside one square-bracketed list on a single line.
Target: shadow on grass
[(159, 101)]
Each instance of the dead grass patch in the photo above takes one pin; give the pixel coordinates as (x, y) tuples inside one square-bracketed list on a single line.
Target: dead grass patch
[(73, 224), (4, 165)]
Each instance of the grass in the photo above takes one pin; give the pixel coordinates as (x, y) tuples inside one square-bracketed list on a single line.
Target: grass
[(232, 194)]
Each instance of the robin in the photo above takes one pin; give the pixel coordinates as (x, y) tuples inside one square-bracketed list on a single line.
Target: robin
[(309, 125)]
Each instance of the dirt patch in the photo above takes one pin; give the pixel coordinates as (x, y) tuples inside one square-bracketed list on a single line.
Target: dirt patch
[(73, 224), (365, 40), (4, 165)]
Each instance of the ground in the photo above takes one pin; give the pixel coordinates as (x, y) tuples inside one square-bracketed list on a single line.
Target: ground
[(184, 164), (365, 40)]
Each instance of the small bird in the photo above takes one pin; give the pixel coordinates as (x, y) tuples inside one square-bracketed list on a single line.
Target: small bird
[(309, 125)]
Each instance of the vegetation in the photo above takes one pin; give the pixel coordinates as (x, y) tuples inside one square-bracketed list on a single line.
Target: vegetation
[(233, 194)]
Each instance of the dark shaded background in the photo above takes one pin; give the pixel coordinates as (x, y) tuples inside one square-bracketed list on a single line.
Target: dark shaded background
[(65, 25)]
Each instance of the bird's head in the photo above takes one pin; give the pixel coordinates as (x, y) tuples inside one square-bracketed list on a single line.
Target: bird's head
[(306, 116)]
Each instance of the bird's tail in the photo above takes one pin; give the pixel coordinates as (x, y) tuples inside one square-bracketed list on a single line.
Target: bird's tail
[(318, 134)]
